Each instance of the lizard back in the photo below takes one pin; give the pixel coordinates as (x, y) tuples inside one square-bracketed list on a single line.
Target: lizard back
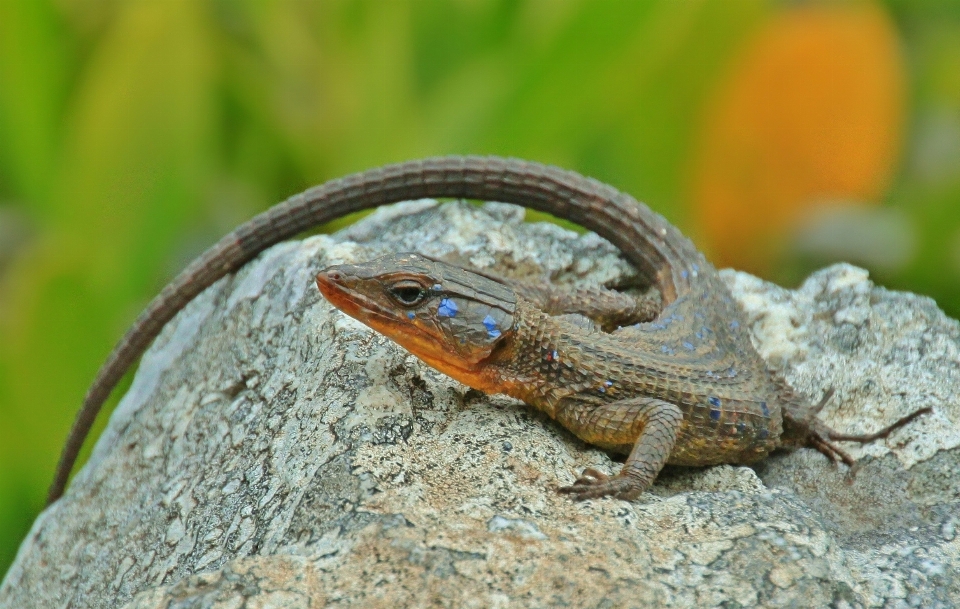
[(730, 414)]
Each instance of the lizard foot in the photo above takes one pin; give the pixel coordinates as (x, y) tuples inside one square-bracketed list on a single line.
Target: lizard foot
[(593, 483), (824, 439)]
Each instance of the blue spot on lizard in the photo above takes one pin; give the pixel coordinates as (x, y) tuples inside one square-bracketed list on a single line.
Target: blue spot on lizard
[(447, 308), (491, 325)]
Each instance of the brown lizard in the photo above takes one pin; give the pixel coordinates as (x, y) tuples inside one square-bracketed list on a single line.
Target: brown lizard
[(686, 386)]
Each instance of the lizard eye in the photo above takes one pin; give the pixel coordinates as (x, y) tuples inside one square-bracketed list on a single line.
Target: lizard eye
[(407, 292)]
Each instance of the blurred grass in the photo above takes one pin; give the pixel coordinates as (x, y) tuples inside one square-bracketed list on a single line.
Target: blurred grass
[(133, 134)]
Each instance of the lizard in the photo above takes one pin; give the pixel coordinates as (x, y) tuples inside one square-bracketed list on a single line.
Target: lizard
[(684, 388), (686, 384)]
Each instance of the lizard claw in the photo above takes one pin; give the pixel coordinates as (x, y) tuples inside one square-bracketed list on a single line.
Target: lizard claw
[(591, 475), (593, 483)]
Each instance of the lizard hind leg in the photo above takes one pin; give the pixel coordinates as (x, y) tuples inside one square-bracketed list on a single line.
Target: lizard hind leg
[(824, 438), (649, 423)]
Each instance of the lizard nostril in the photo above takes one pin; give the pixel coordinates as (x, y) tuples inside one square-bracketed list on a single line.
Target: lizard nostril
[(333, 276)]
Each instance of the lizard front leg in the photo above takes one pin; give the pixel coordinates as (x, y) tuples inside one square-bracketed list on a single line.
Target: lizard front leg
[(608, 308), (649, 424)]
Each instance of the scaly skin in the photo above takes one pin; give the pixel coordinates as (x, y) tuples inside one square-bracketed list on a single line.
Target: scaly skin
[(660, 392), (695, 350)]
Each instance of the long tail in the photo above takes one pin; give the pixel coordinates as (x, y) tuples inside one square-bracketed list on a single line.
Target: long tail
[(656, 248)]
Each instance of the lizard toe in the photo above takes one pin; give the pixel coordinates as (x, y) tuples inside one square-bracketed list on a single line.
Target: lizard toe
[(590, 475), (593, 484)]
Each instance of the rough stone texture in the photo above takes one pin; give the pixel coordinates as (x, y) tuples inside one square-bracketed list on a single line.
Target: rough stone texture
[(274, 453)]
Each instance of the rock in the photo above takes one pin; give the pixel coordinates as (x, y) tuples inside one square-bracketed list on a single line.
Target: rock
[(273, 452)]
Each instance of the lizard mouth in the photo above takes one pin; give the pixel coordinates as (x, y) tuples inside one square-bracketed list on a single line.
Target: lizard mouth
[(345, 291), (336, 287)]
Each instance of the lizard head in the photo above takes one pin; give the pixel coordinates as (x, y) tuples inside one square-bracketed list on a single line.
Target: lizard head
[(450, 318)]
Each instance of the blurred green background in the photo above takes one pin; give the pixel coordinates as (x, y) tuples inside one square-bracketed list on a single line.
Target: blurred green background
[(780, 135)]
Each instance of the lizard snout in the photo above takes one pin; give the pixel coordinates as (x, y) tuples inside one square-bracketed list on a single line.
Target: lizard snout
[(329, 281)]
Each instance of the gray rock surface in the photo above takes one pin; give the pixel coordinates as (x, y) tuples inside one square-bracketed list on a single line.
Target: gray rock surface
[(274, 453)]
